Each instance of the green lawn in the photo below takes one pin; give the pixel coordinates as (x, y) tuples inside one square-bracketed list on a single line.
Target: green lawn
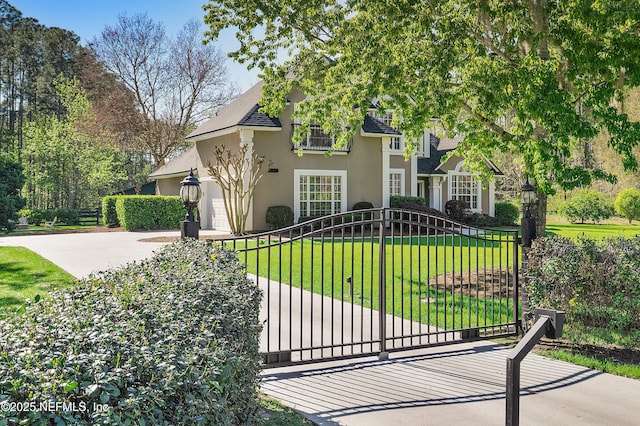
[(324, 267), (24, 275), (614, 227), (35, 230)]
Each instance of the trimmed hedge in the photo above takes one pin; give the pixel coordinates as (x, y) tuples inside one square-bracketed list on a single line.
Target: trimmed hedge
[(109, 214), (137, 212), (362, 205), (170, 340), (396, 200), (279, 216)]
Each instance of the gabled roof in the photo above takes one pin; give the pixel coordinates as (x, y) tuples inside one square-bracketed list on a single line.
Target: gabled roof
[(429, 166), (179, 166), (438, 149), (374, 126), (242, 111)]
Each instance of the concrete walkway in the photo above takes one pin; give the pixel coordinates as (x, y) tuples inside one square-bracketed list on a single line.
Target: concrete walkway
[(462, 384), (447, 385)]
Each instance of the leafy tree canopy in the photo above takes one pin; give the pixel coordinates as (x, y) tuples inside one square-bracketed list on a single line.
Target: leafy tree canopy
[(530, 78)]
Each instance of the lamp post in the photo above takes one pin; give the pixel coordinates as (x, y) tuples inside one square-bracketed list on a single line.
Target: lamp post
[(190, 193), (528, 230), (528, 223)]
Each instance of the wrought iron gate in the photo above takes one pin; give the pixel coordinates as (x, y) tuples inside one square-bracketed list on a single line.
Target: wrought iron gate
[(380, 280)]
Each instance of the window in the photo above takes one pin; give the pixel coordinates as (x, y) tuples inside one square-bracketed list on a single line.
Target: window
[(316, 139), (320, 192), (463, 186), (387, 118), (396, 182)]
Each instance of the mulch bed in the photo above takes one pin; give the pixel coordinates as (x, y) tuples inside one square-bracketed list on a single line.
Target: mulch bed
[(174, 239), (611, 353)]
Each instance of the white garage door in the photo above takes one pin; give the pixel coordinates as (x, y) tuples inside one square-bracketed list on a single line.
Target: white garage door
[(217, 217)]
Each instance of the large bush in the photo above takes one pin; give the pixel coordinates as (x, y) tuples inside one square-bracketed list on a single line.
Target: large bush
[(169, 341), (587, 205), (627, 203), (279, 216), (598, 284), (136, 212), (109, 214), (62, 216), (11, 181), (396, 200), (506, 214), (458, 210)]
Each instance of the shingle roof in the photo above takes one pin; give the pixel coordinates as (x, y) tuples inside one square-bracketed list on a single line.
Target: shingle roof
[(257, 118), (179, 165), (371, 125), (428, 166), (439, 148), (243, 111)]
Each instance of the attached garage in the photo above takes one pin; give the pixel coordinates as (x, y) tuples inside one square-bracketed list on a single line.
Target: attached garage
[(213, 215)]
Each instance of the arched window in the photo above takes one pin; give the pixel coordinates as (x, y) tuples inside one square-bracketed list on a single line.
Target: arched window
[(464, 186)]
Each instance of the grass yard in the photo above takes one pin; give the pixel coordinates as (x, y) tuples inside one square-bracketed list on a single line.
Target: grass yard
[(614, 227), (326, 267), (58, 229), (24, 275)]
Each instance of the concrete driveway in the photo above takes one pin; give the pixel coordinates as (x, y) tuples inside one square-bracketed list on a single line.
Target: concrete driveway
[(449, 385), (81, 254)]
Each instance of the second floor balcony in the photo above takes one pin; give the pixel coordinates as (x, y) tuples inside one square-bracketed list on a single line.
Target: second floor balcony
[(318, 140)]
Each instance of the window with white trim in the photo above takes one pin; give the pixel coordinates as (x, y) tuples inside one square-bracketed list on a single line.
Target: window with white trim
[(396, 182), (320, 193), (464, 186)]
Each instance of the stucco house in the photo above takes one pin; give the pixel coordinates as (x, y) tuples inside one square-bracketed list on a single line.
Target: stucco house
[(371, 168)]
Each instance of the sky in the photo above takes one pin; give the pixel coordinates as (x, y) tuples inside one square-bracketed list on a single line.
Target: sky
[(87, 18)]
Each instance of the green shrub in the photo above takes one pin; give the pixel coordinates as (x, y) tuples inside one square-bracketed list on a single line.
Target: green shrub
[(396, 200), (279, 216), (38, 216), (596, 283), (482, 220), (170, 340), (587, 205), (458, 210), (109, 214), (362, 205), (627, 203), (506, 214), (33, 216), (66, 216), (136, 212)]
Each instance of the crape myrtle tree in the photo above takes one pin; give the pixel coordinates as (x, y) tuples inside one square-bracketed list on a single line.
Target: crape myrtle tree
[(532, 78), (237, 174)]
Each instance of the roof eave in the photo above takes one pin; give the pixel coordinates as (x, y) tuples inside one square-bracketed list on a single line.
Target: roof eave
[(229, 130)]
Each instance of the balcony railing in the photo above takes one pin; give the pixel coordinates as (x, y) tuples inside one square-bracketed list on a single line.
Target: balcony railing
[(317, 140)]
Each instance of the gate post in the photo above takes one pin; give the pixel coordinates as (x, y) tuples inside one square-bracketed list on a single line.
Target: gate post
[(516, 284), (382, 284)]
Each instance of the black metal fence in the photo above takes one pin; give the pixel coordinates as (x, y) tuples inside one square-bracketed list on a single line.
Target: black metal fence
[(380, 280)]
